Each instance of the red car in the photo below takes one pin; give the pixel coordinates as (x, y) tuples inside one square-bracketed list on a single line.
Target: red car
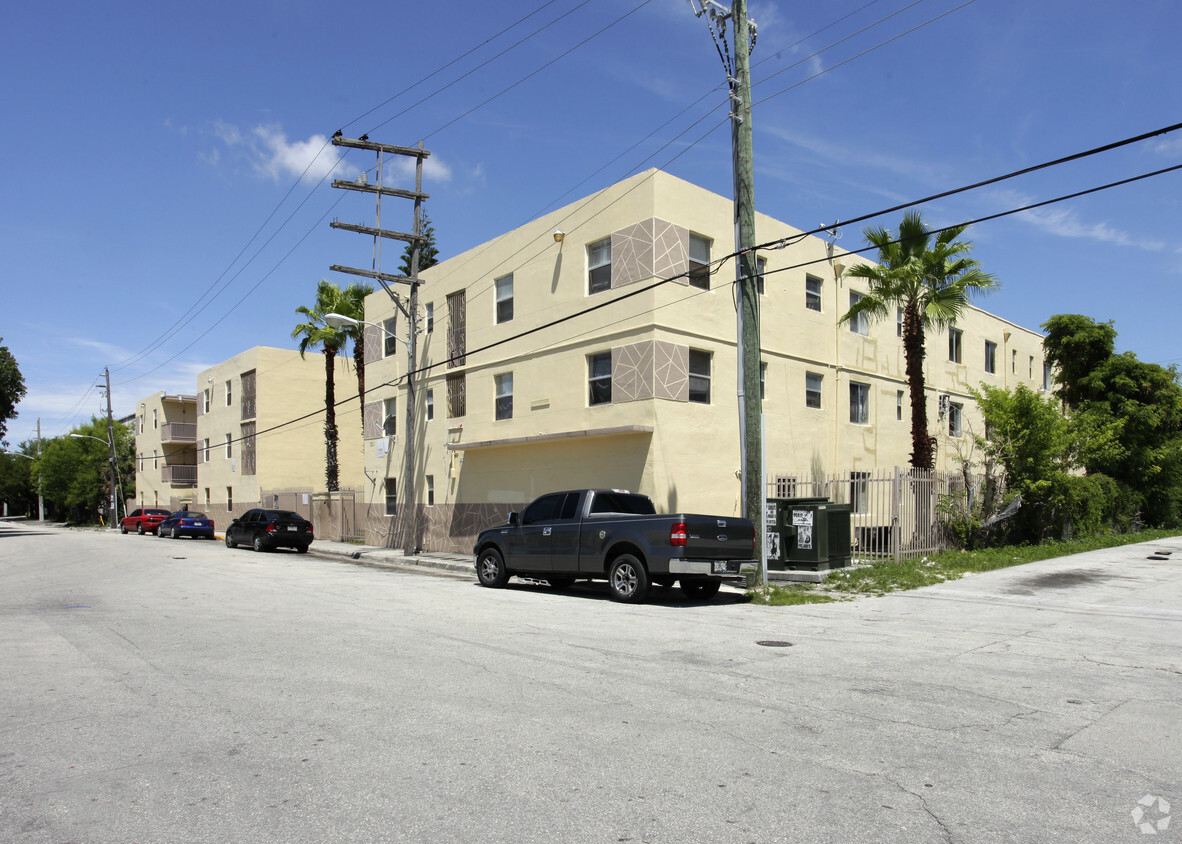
[(143, 520)]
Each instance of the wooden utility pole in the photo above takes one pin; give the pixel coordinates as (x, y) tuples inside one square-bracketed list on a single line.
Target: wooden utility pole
[(409, 520), (747, 329), (111, 449)]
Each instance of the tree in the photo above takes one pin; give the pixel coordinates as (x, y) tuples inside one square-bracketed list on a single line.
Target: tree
[(1077, 345), (931, 280), (12, 388), (17, 489), (354, 301), (330, 299), (74, 473), (428, 254)]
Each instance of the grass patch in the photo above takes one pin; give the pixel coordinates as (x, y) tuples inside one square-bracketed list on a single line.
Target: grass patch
[(775, 595), (890, 576)]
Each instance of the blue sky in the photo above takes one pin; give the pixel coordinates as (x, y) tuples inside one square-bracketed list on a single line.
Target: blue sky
[(154, 152)]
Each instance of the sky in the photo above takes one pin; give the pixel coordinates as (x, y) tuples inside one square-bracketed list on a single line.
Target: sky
[(166, 197)]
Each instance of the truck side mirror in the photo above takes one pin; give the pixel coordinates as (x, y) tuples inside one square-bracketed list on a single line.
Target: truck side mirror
[(514, 520)]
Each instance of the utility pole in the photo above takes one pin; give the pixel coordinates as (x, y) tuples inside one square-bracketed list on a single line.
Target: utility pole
[(747, 329), (40, 496), (111, 448), (408, 522)]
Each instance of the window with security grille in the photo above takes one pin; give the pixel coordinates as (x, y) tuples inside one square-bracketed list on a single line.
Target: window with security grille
[(457, 329), (599, 266), (457, 399), (599, 378)]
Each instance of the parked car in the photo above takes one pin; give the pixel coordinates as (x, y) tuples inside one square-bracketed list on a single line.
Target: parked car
[(266, 530), (617, 536), (187, 523), (143, 520)]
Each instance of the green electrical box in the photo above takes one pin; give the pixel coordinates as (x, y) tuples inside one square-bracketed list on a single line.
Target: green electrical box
[(807, 533)]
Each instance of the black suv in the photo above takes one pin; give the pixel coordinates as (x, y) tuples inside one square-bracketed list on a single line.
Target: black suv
[(265, 530)]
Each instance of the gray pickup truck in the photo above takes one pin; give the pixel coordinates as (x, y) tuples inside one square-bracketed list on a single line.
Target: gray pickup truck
[(614, 535)]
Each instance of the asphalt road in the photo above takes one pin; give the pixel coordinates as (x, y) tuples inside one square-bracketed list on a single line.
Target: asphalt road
[(157, 690)]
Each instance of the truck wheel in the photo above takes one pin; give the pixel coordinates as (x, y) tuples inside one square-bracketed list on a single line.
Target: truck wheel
[(140, 529), (490, 569), (628, 580), (700, 589)]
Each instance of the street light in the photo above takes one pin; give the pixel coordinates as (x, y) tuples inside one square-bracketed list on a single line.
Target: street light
[(342, 321), (40, 498), (114, 480)]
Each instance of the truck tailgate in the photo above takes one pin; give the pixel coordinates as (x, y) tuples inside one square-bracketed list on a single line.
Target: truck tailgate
[(715, 538)]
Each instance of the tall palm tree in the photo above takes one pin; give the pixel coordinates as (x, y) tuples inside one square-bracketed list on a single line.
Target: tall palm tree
[(931, 279), (318, 333), (354, 305)]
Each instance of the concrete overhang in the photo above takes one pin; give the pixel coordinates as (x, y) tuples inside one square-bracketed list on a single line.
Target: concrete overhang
[(561, 435)]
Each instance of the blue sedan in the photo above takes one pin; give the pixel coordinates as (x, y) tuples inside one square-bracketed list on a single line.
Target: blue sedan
[(186, 523)]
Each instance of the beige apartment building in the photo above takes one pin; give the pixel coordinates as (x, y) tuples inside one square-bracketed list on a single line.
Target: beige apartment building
[(558, 356), (165, 450)]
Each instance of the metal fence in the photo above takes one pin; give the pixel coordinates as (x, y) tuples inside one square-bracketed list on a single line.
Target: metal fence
[(893, 512)]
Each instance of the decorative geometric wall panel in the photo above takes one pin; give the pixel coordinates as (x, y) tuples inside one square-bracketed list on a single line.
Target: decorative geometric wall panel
[(671, 371), (632, 372), (373, 342), (371, 420), (650, 248)]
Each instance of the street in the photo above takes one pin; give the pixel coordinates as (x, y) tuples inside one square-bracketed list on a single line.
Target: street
[(158, 690)]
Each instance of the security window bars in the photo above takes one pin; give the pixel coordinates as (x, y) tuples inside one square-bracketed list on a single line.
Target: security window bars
[(859, 403), (504, 297), (812, 389), (785, 486), (248, 450), (812, 293), (457, 331), (699, 376), (457, 400), (599, 266), (699, 262), (599, 378), (859, 324), (955, 336), (504, 395)]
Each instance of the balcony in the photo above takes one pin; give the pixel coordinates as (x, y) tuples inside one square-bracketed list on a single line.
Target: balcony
[(178, 432), (179, 475)]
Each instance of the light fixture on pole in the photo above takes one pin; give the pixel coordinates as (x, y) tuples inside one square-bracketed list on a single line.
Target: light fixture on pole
[(114, 480), (342, 321), (559, 234)]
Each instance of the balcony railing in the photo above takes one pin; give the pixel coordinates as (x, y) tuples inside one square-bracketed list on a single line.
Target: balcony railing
[(178, 432), (177, 474)]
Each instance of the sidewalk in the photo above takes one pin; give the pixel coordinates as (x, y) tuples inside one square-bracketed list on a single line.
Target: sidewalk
[(426, 562)]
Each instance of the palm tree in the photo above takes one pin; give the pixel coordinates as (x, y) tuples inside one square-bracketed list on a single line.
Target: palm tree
[(316, 332), (931, 280), (354, 305)]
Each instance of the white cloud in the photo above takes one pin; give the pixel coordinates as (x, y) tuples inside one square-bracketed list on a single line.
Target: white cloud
[(273, 155), (402, 171), (1066, 223)]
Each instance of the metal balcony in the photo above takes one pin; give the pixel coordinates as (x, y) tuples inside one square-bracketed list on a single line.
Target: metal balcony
[(178, 432)]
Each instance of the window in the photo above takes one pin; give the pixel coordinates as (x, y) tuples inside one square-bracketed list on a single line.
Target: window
[(1030, 371), (390, 337), (205, 401), (760, 269), (155, 460), (991, 357), (430, 490), (599, 378), (430, 308), (763, 381), (207, 498), (599, 266), (430, 405), (457, 401), (229, 499), (141, 421), (699, 262), (615, 502), (859, 324), (859, 403), (1046, 377), (457, 328), (155, 419), (1014, 361), (812, 389), (955, 415), (229, 393), (504, 297), (785, 486), (812, 293), (860, 492), (229, 447), (898, 322), (390, 417), (206, 448), (391, 496), (899, 405), (955, 336), (699, 376), (504, 400)]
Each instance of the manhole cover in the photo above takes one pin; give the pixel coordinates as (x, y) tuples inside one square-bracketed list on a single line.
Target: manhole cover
[(1157, 557), (773, 643)]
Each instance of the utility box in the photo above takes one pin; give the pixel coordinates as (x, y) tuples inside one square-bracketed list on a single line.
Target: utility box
[(807, 533)]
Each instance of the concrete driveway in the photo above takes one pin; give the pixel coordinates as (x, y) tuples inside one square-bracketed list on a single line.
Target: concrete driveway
[(180, 691)]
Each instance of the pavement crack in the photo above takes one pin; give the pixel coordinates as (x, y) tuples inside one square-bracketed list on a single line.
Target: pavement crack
[(944, 830)]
